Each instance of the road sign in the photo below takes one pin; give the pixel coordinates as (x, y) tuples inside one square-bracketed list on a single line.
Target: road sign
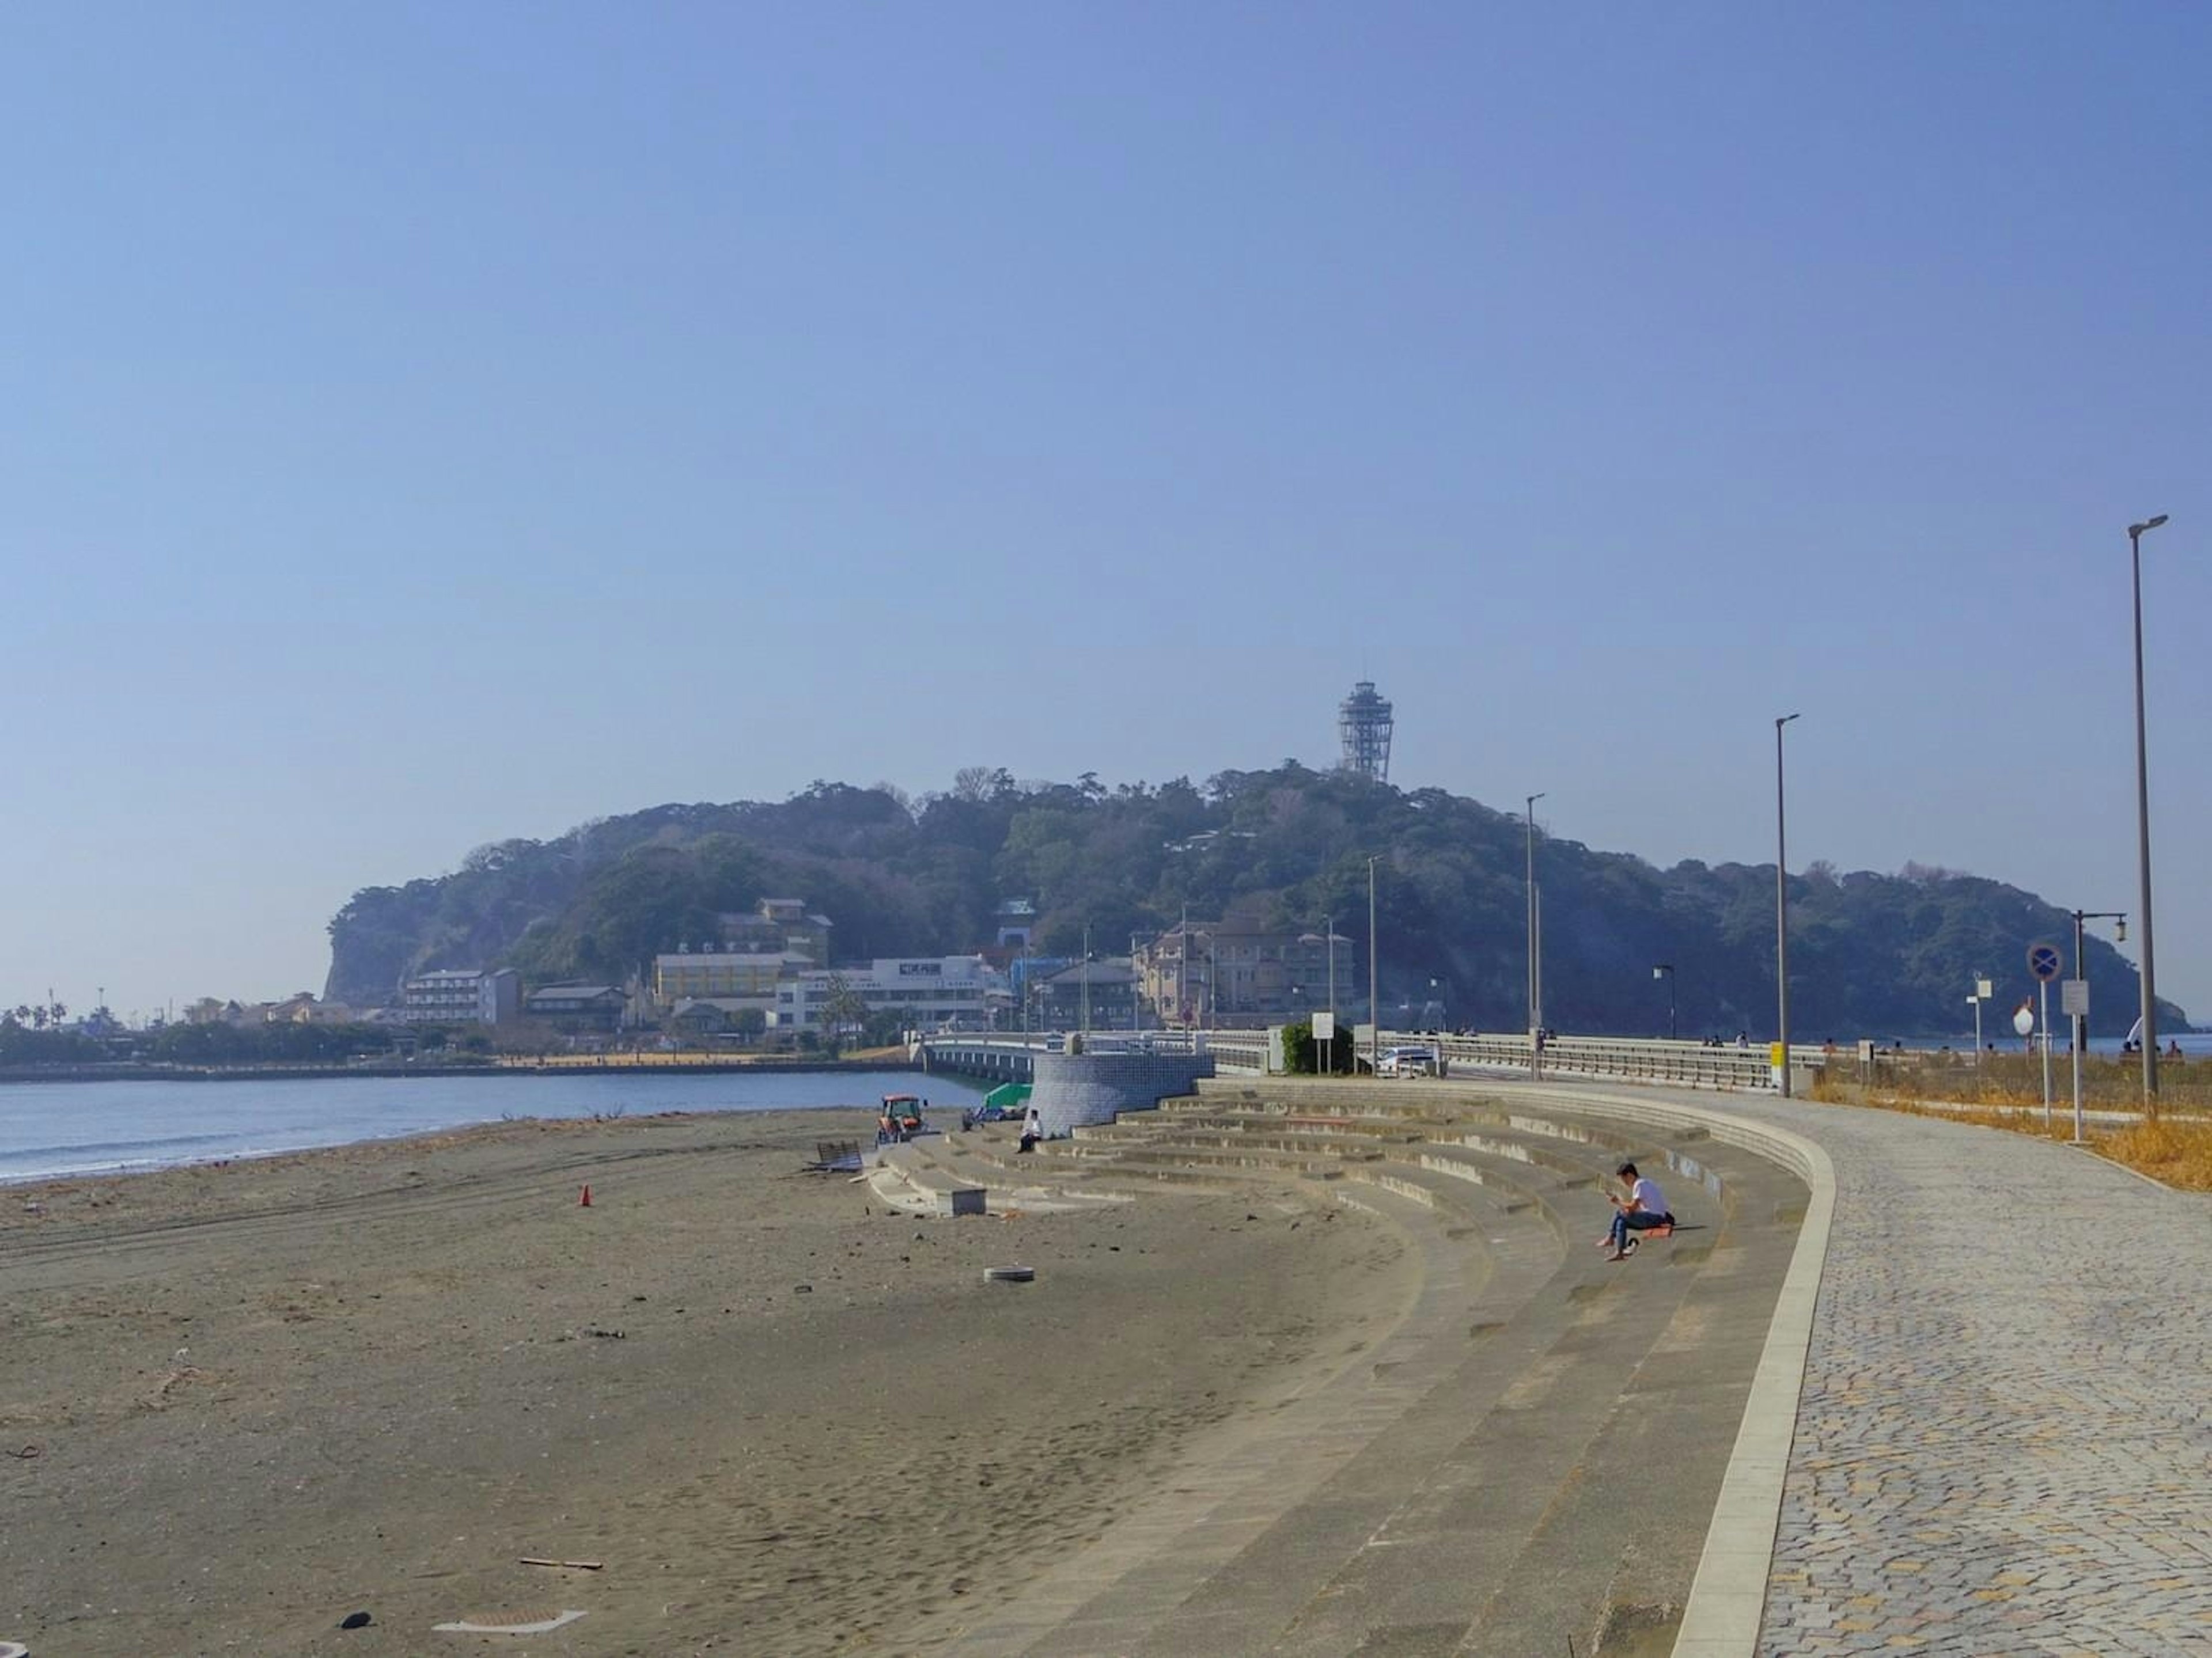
[(2043, 961), (2023, 1018), (1984, 989), (1324, 1027), (2074, 998)]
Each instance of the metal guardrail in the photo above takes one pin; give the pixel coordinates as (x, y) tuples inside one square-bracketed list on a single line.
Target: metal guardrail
[(1692, 1064)]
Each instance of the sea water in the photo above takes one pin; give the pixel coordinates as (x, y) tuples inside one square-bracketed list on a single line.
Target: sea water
[(50, 1130)]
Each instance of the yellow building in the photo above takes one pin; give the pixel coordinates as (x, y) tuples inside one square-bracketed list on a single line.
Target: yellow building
[(679, 975)]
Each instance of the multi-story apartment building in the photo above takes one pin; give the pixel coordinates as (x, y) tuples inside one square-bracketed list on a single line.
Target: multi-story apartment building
[(680, 974), (578, 1006), (1237, 973), (930, 993), (460, 996), (1100, 995)]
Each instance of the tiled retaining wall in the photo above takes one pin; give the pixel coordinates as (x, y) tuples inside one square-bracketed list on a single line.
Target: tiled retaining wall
[(1076, 1088)]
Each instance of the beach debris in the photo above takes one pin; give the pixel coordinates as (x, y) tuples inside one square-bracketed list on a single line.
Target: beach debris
[(14, 1649), (1008, 1274), (535, 1626), (356, 1620), (27, 1453), (606, 1335), (572, 1565), (802, 1288), (585, 1202)]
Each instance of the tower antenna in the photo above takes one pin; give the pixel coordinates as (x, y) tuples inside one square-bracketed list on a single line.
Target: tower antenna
[(1364, 722)]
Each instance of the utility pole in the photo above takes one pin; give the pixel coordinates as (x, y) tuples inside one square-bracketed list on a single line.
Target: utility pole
[(1182, 971), (2080, 997), (1328, 1047)]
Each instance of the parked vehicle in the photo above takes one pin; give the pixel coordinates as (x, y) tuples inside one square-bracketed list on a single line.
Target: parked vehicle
[(1407, 1062)]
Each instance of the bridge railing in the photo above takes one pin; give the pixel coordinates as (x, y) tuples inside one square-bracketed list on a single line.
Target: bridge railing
[(1684, 1064), (1692, 1064)]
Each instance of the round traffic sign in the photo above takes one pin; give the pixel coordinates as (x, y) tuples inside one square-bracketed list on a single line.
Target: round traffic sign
[(2043, 961)]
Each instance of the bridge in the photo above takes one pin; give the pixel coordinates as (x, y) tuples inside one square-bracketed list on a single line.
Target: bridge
[(1678, 1064)]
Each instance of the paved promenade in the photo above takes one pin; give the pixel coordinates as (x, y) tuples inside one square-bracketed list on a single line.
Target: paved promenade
[(2004, 1445)]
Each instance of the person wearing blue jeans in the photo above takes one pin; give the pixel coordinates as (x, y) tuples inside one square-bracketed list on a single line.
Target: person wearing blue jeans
[(1642, 1209)]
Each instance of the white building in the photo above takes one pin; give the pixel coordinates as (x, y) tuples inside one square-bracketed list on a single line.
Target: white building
[(928, 992), (460, 996)]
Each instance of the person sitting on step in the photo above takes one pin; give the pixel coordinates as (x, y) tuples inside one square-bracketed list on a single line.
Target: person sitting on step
[(1642, 1209)]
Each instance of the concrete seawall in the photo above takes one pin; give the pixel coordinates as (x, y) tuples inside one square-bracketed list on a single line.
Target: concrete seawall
[(1073, 1089)]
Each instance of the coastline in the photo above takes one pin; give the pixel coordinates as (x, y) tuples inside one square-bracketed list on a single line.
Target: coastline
[(265, 1395), (563, 1067)]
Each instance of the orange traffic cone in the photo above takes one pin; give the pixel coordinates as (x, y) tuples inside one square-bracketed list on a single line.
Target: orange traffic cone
[(585, 1202)]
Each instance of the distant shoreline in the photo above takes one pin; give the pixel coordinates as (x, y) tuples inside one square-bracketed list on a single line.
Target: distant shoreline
[(611, 1066)]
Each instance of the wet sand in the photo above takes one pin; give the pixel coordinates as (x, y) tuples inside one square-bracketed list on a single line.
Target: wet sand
[(238, 1403)]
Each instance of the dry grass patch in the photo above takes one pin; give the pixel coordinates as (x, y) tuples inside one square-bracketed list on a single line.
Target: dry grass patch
[(2177, 1153)]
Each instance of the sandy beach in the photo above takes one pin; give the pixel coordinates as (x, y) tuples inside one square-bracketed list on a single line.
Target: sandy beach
[(241, 1403)]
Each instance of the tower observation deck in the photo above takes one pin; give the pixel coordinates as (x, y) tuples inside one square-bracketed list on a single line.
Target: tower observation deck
[(1363, 720)]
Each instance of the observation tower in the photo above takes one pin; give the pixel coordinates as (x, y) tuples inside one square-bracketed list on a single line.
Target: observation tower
[(1363, 720)]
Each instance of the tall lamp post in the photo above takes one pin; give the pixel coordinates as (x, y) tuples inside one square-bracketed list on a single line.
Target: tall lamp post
[(1374, 1006), (1665, 970), (2143, 836), (1535, 950), (1781, 908)]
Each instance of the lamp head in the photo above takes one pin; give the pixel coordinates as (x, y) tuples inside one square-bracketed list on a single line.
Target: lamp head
[(2148, 524), (2120, 929), (1785, 720)]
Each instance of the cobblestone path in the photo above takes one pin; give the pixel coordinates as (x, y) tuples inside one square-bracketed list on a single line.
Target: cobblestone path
[(2003, 1445)]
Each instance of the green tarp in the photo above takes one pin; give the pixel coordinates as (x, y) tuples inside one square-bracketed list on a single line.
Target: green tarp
[(1007, 1097)]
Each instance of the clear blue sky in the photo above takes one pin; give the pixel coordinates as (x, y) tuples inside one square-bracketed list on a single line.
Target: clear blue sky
[(430, 424)]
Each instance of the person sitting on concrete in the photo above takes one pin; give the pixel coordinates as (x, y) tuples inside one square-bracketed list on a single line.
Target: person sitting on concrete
[(1032, 1129), (1642, 1209)]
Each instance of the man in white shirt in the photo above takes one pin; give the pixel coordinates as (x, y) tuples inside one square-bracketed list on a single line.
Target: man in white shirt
[(1642, 1209)]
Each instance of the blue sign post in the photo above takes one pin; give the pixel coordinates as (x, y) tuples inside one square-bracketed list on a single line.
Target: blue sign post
[(2043, 961)]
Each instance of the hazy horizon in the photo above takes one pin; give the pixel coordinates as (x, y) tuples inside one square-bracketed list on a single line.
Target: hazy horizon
[(432, 427)]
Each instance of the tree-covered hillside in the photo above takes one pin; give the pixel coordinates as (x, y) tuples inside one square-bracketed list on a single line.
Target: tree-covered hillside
[(1871, 954)]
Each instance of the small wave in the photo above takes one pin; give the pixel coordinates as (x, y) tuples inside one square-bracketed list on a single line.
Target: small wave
[(74, 1163), (155, 1150)]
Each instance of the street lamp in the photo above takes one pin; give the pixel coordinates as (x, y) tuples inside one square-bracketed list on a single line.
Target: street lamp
[(2149, 978), (1665, 970), (1535, 948), (1781, 907), (1374, 1006)]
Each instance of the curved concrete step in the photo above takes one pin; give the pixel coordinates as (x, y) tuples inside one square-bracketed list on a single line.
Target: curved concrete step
[(1464, 1496)]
